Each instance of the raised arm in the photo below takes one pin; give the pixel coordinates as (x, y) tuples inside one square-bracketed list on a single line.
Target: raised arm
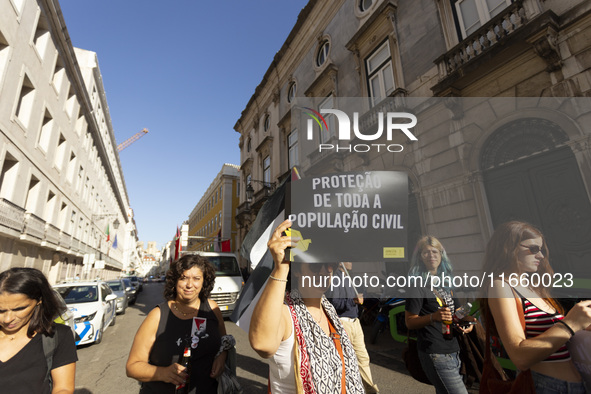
[(138, 367), (269, 324)]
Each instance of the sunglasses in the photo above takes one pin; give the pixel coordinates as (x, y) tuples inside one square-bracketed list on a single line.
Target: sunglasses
[(533, 249)]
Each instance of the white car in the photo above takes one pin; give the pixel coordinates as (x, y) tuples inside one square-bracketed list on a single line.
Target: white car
[(93, 306)]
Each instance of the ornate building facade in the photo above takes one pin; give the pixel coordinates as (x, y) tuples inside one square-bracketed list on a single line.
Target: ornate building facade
[(500, 90), (64, 206)]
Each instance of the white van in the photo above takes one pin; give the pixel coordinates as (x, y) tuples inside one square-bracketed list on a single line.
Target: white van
[(228, 280)]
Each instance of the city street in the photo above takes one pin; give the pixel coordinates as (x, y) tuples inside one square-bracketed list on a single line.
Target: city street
[(101, 368)]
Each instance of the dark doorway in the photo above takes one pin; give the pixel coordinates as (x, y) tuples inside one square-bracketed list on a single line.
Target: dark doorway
[(545, 189)]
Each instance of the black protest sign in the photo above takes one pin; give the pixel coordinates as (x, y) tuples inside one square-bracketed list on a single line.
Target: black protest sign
[(352, 216)]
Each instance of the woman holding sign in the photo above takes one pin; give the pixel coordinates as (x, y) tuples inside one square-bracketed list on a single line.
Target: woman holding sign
[(430, 313), (188, 324), (323, 359)]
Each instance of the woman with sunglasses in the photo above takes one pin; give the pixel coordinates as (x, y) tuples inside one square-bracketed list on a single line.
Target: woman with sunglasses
[(518, 250), (299, 331), (426, 312), (28, 307)]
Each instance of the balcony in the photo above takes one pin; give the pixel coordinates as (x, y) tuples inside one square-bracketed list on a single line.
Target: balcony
[(34, 227), (65, 241), (518, 28), (52, 234), (11, 215)]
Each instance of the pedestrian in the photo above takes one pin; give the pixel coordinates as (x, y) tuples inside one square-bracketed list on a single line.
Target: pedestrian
[(519, 250), (427, 312), (287, 316), (28, 306), (187, 319), (345, 298)]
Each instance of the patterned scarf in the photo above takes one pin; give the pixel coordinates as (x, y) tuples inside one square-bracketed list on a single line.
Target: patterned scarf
[(318, 363)]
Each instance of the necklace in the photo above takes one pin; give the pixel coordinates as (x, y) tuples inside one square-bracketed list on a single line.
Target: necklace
[(181, 312), (318, 321)]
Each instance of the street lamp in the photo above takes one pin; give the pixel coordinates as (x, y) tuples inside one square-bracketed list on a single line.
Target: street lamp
[(106, 215), (269, 186)]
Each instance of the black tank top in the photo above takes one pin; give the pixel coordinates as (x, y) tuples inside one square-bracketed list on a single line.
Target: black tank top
[(171, 338)]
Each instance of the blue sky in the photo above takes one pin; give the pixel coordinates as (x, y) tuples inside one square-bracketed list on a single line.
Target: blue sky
[(184, 70)]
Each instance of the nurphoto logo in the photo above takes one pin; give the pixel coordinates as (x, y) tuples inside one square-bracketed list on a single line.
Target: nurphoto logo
[(389, 122)]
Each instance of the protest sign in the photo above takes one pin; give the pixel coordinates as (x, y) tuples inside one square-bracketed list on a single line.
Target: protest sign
[(351, 216)]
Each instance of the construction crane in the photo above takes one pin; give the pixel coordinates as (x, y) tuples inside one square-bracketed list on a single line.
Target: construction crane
[(131, 140)]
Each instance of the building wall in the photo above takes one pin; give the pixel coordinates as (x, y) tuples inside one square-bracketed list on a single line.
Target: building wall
[(543, 53), (214, 213), (58, 160)]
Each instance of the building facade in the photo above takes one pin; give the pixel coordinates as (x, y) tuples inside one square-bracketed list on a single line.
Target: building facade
[(64, 207), (212, 224), (500, 90)]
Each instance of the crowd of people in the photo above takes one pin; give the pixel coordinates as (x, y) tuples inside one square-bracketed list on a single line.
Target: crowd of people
[(312, 339)]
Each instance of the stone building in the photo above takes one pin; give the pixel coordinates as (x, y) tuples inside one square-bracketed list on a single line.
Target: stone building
[(500, 90), (212, 223), (64, 207)]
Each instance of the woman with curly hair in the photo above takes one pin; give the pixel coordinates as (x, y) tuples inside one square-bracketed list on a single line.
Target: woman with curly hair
[(187, 319), (27, 309)]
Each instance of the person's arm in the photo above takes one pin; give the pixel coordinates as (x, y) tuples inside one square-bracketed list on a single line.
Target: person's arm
[(219, 362), (269, 324), (525, 353), (138, 367), (416, 322), (63, 379)]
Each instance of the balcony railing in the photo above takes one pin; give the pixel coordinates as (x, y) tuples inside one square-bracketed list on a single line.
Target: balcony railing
[(490, 34), (11, 215), (34, 226), (52, 234), (65, 240)]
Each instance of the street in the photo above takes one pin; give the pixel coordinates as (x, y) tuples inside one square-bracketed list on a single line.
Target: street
[(101, 368)]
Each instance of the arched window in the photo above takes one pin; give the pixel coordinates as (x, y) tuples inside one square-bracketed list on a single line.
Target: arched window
[(322, 54), (291, 92)]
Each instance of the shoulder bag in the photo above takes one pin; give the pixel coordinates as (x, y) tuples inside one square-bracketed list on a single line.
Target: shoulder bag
[(494, 379)]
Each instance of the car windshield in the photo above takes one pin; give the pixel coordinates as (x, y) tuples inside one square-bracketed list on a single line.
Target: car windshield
[(224, 265), (78, 294), (115, 286)]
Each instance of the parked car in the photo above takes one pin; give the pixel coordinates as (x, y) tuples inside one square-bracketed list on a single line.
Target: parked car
[(130, 290), (136, 282), (118, 288), (66, 317), (93, 306)]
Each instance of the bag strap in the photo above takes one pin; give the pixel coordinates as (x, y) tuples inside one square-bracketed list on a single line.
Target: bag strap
[(520, 307), (49, 346), (520, 313), (339, 346)]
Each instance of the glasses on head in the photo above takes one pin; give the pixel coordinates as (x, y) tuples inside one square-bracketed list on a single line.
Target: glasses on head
[(533, 249)]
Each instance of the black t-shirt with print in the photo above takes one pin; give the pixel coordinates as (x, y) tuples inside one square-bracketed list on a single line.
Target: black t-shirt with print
[(430, 339)]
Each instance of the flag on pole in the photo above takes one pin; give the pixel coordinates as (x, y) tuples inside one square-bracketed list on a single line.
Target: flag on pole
[(217, 246), (254, 249), (226, 246), (177, 244), (107, 233), (115, 242)]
